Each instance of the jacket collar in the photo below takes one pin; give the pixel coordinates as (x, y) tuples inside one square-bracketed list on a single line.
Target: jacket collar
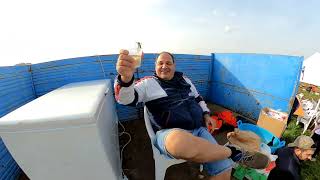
[(177, 75)]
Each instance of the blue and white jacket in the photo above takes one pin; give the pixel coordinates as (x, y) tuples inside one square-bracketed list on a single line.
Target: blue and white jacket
[(173, 103)]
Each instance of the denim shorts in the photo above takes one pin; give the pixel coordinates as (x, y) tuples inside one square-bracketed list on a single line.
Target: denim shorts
[(213, 168)]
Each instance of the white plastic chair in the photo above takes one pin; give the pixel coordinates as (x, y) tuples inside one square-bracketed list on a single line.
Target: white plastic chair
[(310, 115), (307, 105), (161, 162), (317, 119)]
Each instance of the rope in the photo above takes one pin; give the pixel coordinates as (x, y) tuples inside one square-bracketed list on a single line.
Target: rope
[(124, 129), (102, 68)]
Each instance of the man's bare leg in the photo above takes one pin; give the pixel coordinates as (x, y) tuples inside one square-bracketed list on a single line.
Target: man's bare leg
[(183, 145)]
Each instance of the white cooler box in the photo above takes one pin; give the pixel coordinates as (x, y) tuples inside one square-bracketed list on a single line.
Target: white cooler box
[(70, 133)]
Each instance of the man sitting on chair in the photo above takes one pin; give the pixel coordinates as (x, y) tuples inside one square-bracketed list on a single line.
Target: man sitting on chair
[(180, 117)]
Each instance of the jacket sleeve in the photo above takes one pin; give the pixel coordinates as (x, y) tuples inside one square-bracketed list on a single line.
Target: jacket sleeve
[(198, 97), (276, 173), (130, 93)]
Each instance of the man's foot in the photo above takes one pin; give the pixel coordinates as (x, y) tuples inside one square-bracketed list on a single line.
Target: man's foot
[(256, 160)]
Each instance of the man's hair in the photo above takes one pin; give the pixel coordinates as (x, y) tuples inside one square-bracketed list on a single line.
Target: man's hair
[(163, 52)]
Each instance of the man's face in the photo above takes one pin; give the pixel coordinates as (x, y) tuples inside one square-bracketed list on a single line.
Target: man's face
[(165, 67), (304, 154)]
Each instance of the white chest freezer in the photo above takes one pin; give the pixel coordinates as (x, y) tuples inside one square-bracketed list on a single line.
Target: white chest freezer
[(70, 133)]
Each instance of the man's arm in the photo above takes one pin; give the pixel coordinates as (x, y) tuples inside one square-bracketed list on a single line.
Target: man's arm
[(126, 92), (198, 97), (209, 122)]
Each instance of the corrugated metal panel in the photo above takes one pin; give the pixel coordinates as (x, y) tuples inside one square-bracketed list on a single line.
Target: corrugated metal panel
[(15, 90), (10, 170), (246, 83), (242, 82), (196, 68), (51, 75)]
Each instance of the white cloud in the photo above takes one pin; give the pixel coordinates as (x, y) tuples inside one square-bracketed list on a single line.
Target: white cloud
[(215, 12), (229, 28), (200, 20), (233, 14)]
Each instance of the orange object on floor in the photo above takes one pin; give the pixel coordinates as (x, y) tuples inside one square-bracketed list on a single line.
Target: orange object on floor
[(271, 166), (299, 111), (218, 122), (228, 118)]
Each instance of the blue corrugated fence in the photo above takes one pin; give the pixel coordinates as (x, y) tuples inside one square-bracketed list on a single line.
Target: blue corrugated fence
[(16, 89), (244, 83)]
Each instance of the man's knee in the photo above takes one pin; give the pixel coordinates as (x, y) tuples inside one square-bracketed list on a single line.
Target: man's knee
[(180, 144)]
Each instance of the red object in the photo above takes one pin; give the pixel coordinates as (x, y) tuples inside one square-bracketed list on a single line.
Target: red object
[(218, 123), (228, 118), (271, 166)]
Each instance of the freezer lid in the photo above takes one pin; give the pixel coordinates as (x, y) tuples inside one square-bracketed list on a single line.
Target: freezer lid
[(70, 105)]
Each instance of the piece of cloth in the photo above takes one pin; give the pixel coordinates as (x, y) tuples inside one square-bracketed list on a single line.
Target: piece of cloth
[(236, 154), (212, 168), (297, 107), (317, 126), (228, 118), (244, 172), (173, 103), (316, 139), (287, 165)]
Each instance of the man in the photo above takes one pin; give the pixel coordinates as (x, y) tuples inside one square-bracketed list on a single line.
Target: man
[(288, 162), (179, 116)]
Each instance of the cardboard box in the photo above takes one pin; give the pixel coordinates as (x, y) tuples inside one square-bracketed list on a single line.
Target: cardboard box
[(273, 121)]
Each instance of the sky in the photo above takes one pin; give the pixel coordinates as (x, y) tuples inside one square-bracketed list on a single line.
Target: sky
[(35, 31)]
